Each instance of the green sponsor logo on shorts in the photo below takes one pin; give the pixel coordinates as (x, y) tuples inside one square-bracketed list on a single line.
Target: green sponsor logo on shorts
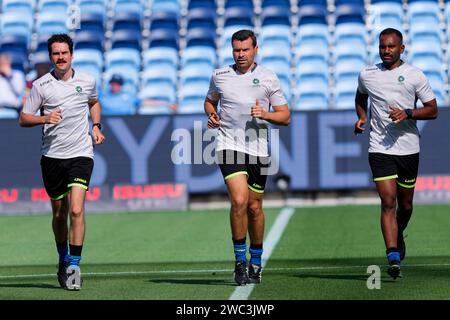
[(256, 185), (79, 180), (410, 180)]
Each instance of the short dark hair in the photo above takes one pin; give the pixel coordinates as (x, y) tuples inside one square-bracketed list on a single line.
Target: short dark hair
[(388, 31), (242, 35), (60, 38)]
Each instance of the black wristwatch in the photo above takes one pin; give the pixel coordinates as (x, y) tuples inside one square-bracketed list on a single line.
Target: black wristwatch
[(409, 113), (98, 124)]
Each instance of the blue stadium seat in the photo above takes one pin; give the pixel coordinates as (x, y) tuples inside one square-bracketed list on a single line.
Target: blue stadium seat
[(312, 94), (192, 96), (23, 6), (203, 54), (93, 6), (202, 17), (345, 90), (49, 23), (312, 49), (425, 11), (193, 4), (198, 72), (425, 32), (348, 66), (314, 34), (123, 57), (312, 14), (54, 6), (89, 40), (129, 6), (350, 13), (311, 66), (238, 16), (17, 23), (165, 5), (14, 44), (166, 56), (349, 48), (276, 35), (164, 20), (275, 15), (201, 37), (429, 48), (273, 52), (159, 73), (89, 56), (163, 92), (92, 22), (284, 4), (245, 4), (126, 39), (164, 38), (127, 21)]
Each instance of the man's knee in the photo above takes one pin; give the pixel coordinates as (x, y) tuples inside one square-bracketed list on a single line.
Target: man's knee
[(239, 202), (77, 211), (255, 208), (388, 204)]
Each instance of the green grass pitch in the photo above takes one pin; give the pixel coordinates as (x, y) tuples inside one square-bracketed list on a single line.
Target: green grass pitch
[(323, 253)]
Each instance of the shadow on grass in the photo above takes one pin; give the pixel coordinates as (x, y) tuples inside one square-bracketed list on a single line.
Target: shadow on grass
[(29, 285), (210, 282)]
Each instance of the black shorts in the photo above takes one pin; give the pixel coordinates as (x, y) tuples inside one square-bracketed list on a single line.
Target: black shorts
[(402, 168), (60, 175), (233, 163)]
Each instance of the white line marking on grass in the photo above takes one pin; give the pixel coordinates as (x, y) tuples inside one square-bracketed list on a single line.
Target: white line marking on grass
[(243, 292), (194, 271)]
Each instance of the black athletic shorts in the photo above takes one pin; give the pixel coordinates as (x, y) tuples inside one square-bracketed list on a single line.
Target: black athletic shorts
[(402, 168), (60, 175), (233, 163)]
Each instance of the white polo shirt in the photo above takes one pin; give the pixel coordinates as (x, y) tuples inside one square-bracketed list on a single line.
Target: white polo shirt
[(398, 88), (237, 93), (70, 137)]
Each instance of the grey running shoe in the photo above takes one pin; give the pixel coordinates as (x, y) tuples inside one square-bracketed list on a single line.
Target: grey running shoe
[(254, 273), (74, 280)]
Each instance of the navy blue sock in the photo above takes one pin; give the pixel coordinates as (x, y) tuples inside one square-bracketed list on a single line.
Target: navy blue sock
[(240, 250), (63, 251), (256, 252)]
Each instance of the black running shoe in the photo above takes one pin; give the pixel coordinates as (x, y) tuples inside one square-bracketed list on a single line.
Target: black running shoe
[(62, 275), (394, 269), (401, 245), (240, 273), (254, 273)]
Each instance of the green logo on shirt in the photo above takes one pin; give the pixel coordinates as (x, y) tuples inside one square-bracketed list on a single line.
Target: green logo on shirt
[(401, 78), (79, 89), (256, 82)]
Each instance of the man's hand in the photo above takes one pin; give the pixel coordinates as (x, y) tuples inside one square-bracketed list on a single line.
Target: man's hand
[(97, 135), (54, 117), (213, 121), (257, 111), (397, 114), (359, 126)]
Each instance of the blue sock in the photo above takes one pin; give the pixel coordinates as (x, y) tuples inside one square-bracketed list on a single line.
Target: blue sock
[(255, 256), (240, 252), (74, 260), (63, 251), (393, 256)]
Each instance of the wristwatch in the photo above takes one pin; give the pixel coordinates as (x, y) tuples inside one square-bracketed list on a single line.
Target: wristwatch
[(98, 124), (409, 113)]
